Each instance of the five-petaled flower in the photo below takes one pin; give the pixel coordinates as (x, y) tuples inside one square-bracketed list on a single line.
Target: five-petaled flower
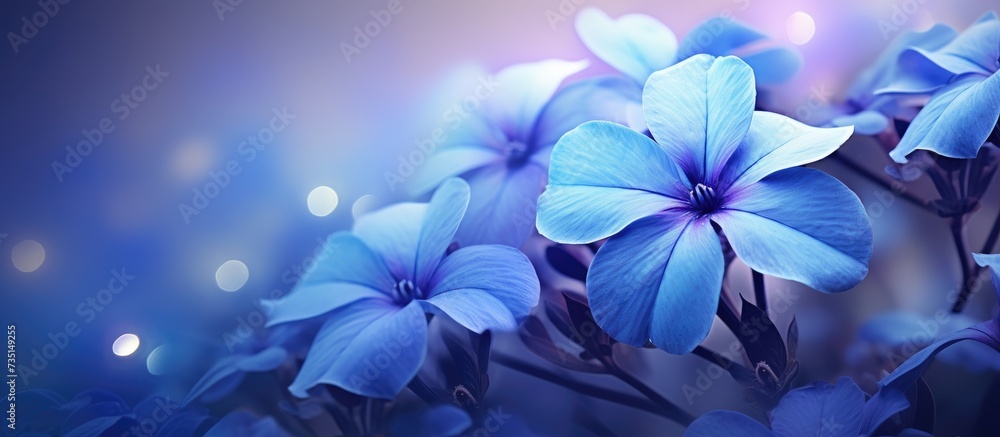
[(715, 160), (378, 282)]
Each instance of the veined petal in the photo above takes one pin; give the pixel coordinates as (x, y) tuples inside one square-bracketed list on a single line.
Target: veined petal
[(640, 272), (371, 348), (773, 65), (634, 44), (602, 177), (957, 120), (609, 98), (310, 301), (889, 67), (444, 215), (721, 423), (820, 409), (717, 36), (345, 258), (699, 110), (392, 232), (776, 142), (522, 91), (485, 287), (800, 224), (689, 292), (975, 50), (503, 205)]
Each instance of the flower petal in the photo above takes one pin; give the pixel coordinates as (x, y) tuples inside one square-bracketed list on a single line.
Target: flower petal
[(721, 422), (393, 232), (485, 287), (773, 65), (993, 262), (776, 142), (820, 409), (449, 162), (522, 91), (975, 50), (444, 215), (717, 36), (634, 44), (864, 122), (371, 348), (957, 120), (803, 225), (503, 205), (604, 176), (345, 258), (315, 300), (699, 110), (641, 277)]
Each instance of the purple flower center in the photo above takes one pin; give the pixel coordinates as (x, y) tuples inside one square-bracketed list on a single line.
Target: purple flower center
[(517, 153), (405, 291), (703, 198)]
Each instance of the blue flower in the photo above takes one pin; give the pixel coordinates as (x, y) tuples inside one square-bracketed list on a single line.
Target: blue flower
[(965, 105), (638, 45), (502, 151), (717, 161), (378, 281), (819, 409), (870, 112)]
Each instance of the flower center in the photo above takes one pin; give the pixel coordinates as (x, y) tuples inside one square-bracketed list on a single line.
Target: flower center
[(517, 153), (405, 291), (703, 198)]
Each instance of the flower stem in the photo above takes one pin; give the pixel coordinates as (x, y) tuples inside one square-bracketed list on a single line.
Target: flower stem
[(760, 295), (877, 180), (958, 235), (674, 412), (589, 390), (728, 315), (713, 357)]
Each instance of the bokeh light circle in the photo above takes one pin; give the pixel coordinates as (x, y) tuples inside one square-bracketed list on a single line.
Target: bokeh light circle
[(322, 201), (232, 275)]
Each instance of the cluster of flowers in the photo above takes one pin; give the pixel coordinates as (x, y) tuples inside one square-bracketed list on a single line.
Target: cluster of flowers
[(648, 185)]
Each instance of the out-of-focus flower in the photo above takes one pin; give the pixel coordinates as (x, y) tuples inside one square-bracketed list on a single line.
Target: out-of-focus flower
[(871, 113), (374, 289), (963, 111), (715, 162), (638, 45), (502, 150), (819, 409)]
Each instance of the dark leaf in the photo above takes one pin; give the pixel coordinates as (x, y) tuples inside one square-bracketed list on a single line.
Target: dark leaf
[(565, 263), (761, 339)]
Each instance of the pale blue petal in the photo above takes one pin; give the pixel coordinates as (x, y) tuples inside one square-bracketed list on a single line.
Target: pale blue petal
[(503, 205), (449, 162), (602, 177), (699, 110), (634, 44), (975, 50), (346, 258), (688, 295), (370, 348), (718, 37), (315, 300), (776, 142), (444, 215), (957, 120), (667, 253), (726, 423), (864, 122), (800, 224), (485, 287), (888, 67), (993, 262), (609, 98), (773, 65), (820, 409), (522, 91), (393, 232)]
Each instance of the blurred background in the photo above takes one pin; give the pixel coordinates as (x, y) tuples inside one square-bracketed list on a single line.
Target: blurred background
[(172, 223)]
